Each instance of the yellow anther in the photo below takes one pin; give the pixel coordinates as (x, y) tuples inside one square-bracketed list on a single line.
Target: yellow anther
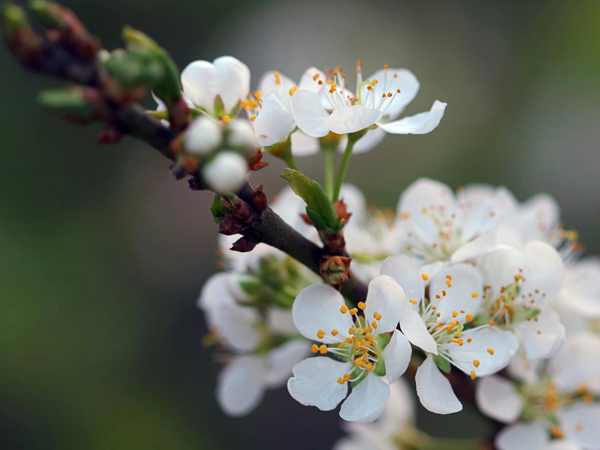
[(473, 375), (469, 340), (557, 432), (353, 311), (359, 362), (342, 344), (490, 351), (334, 332), (277, 77), (397, 90), (340, 381), (374, 324), (518, 277), (454, 313), (362, 305), (469, 317), (320, 82), (226, 119), (323, 349), (377, 316), (344, 309), (316, 76), (455, 340), (253, 117), (588, 398), (292, 90), (257, 94), (475, 294), (346, 377), (444, 293), (476, 362), (359, 63), (320, 334), (351, 330), (389, 94), (386, 66), (314, 348), (369, 367), (491, 322), (413, 301), (349, 340), (371, 339), (425, 277), (449, 277)]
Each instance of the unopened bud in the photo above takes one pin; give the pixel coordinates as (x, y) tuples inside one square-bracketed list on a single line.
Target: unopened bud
[(203, 136), (241, 135), (256, 163), (241, 209), (226, 172), (74, 103), (335, 269), (13, 20)]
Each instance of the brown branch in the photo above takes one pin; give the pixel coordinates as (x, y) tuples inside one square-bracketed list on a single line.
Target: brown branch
[(59, 54)]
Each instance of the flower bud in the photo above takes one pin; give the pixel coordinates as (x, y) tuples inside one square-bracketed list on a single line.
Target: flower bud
[(335, 269), (242, 136), (226, 172), (203, 136)]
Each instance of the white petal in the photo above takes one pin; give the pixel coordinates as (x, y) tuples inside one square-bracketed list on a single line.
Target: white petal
[(504, 344), (416, 332), (400, 408), (314, 382), (562, 444), (464, 295), (406, 273), (577, 363), (274, 123), (581, 424), (523, 370), (234, 79), (434, 389), (544, 271), (308, 81), (425, 194), (396, 356), (203, 136), (309, 113), (367, 401), (352, 118), (269, 83), (390, 80), (282, 360), (226, 172), (385, 297), (355, 201), (368, 142), (498, 398), (317, 307), (421, 123), (542, 336), (581, 290), (237, 326), (241, 134), (499, 266), (201, 84), (471, 251), (281, 321), (240, 386), (215, 293), (304, 145), (522, 437)]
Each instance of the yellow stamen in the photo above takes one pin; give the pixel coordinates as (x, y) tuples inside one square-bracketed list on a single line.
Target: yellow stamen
[(362, 305), (323, 349), (344, 309)]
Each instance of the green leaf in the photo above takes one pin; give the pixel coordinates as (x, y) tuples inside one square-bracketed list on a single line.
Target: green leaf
[(443, 364), (67, 102), (319, 207), (218, 210)]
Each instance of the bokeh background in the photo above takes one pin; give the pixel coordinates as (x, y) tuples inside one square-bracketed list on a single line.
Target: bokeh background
[(103, 253)]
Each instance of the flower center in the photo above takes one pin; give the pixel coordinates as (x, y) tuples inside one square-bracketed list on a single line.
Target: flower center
[(361, 346)]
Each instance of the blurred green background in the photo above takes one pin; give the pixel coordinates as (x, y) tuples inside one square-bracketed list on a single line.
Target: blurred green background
[(103, 253)]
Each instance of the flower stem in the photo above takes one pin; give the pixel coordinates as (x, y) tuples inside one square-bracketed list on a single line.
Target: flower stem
[(342, 172), (329, 169)]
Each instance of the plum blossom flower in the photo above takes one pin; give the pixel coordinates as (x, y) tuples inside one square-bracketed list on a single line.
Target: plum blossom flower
[(581, 290), (216, 88), (557, 399), (519, 283), (437, 326), (377, 102), (255, 362), (226, 172), (361, 345), (270, 112), (396, 420), (435, 227)]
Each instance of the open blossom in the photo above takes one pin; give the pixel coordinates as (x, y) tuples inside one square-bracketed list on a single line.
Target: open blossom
[(217, 88), (269, 109), (377, 101), (556, 400), (435, 227), (581, 290), (249, 372), (394, 425), (437, 326), (361, 346), (518, 288)]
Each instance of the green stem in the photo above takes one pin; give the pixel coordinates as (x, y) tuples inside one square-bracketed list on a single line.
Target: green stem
[(329, 169), (291, 162), (342, 172)]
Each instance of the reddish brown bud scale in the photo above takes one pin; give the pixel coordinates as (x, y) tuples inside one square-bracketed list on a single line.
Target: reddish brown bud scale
[(245, 244), (231, 225), (259, 198)]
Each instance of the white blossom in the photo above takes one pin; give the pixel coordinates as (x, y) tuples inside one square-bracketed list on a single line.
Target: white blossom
[(203, 136), (226, 172)]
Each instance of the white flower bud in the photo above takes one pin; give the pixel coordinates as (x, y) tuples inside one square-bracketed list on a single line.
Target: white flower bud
[(226, 172), (203, 136), (242, 135)]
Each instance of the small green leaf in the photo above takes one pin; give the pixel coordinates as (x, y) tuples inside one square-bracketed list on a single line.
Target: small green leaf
[(67, 102), (219, 106), (319, 207), (443, 364), (218, 210)]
